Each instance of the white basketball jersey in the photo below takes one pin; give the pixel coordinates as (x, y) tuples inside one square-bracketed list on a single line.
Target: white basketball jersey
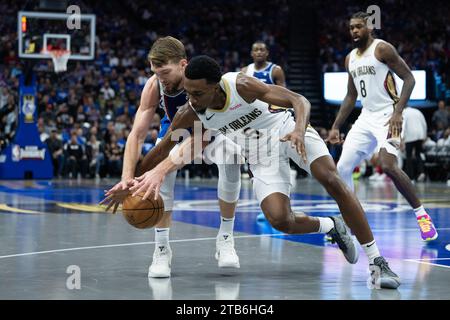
[(373, 80), (248, 124)]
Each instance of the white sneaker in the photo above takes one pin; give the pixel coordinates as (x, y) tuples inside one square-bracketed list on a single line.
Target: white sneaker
[(162, 259), (225, 253)]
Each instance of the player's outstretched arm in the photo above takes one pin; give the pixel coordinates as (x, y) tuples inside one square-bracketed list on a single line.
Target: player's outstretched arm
[(251, 89), (184, 119), (152, 180), (346, 108), (144, 116)]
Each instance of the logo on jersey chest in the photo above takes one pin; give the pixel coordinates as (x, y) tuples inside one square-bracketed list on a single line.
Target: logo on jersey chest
[(236, 106), (363, 70), (242, 121)]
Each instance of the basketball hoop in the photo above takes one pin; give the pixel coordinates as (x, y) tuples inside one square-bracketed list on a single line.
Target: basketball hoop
[(60, 58)]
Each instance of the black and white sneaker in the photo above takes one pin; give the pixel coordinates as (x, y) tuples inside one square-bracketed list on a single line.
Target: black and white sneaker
[(382, 276), (341, 235)]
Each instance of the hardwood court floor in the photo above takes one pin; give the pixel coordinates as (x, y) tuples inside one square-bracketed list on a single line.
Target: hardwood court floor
[(48, 226)]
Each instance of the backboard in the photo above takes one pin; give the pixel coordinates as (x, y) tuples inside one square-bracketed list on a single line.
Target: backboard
[(39, 31)]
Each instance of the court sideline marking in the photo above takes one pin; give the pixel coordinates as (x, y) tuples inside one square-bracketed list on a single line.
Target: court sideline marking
[(134, 244), (176, 241)]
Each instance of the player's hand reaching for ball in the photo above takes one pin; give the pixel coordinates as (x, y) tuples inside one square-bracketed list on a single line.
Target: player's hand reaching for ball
[(297, 140), (115, 196), (334, 137), (148, 183)]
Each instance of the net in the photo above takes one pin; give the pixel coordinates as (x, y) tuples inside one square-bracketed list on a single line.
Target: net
[(60, 58)]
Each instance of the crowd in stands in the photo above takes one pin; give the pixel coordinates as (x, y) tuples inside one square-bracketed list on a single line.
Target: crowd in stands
[(86, 113)]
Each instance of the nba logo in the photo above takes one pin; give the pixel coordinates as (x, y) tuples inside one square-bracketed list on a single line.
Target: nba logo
[(15, 153)]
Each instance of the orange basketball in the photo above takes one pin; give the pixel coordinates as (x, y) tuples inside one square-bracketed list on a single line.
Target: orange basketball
[(143, 214)]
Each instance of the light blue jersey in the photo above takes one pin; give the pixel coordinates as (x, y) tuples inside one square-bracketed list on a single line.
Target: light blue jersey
[(265, 75)]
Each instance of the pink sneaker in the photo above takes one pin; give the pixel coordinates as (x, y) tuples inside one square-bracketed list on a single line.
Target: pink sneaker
[(427, 229)]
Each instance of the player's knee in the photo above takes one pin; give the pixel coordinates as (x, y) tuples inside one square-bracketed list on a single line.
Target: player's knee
[(281, 223), (389, 169), (228, 191), (229, 184)]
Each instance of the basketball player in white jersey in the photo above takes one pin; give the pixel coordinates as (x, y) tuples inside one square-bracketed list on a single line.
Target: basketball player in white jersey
[(267, 72), (165, 89), (239, 107), (370, 67), (264, 70)]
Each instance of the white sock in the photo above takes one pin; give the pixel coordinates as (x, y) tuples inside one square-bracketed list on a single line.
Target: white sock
[(226, 226), (326, 224), (371, 250), (420, 211), (162, 236)]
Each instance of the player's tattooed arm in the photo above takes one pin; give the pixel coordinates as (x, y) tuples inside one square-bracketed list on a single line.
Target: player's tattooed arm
[(386, 53), (184, 119)]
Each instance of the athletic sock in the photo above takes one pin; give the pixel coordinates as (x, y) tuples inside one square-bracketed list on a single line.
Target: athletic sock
[(226, 226), (420, 211), (326, 224), (371, 250), (162, 236)]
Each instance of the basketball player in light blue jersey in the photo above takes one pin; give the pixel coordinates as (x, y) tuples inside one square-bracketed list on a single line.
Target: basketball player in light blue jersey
[(264, 70)]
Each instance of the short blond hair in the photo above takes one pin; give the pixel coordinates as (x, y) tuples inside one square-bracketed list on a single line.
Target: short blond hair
[(166, 50)]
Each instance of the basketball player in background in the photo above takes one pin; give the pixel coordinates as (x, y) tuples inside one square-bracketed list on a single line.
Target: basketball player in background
[(165, 89), (264, 70), (379, 126), (238, 107)]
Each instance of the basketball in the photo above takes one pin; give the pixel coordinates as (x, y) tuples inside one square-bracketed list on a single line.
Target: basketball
[(143, 214)]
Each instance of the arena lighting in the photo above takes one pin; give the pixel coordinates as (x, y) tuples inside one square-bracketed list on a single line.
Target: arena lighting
[(335, 85)]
